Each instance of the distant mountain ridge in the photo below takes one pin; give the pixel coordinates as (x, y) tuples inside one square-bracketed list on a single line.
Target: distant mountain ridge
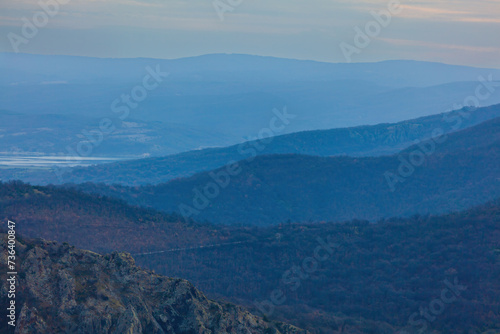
[(395, 73), (447, 173), (377, 140), (363, 141), (217, 100)]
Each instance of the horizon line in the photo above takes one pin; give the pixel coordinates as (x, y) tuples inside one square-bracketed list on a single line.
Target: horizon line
[(250, 55)]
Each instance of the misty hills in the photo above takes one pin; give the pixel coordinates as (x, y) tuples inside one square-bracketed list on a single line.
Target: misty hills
[(220, 100), (50, 135), (443, 174), (375, 140), (375, 278), (30, 68)]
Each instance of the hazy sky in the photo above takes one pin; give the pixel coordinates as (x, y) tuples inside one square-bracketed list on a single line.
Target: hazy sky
[(456, 32)]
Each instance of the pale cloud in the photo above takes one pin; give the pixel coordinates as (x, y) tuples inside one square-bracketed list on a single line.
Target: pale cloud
[(478, 19), (429, 12), (448, 14)]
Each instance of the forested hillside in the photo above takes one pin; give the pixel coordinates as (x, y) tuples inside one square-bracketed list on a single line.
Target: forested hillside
[(92, 222), (375, 140), (376, 279), (445, 174), (363, 278)]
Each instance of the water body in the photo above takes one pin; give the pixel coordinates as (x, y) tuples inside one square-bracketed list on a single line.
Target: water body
[(51, 161)]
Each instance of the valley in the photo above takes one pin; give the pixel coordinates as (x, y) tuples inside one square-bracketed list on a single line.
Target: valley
[(236, 193)]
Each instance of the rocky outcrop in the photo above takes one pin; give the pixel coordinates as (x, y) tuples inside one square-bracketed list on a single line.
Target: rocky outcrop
[(62, 289)]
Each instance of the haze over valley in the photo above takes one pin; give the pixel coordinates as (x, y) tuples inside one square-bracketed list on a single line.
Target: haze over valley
[(249, 167)]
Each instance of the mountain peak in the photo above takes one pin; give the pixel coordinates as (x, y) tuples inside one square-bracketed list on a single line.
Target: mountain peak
[(92, 293)]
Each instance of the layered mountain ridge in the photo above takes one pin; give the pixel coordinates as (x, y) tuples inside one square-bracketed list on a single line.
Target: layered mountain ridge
[(364, 141), (447, 173), (368, 278)]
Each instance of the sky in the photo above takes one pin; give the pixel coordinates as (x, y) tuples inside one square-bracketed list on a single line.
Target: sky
[(460, 32)]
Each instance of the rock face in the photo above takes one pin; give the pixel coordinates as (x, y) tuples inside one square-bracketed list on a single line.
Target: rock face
[(62, 289)]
